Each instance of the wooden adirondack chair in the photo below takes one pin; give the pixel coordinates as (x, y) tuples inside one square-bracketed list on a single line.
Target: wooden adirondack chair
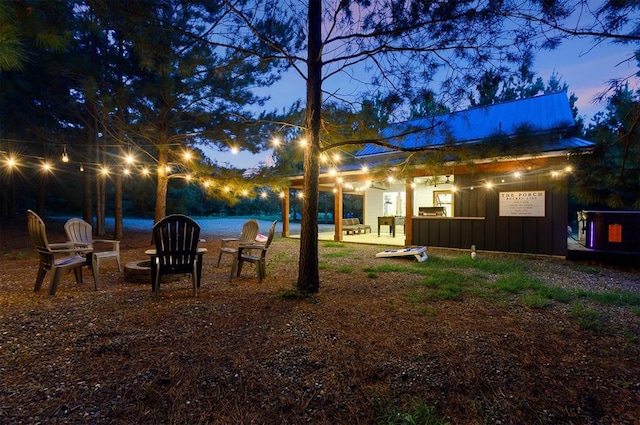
[(255, 253), (229, 246), (55, 257)]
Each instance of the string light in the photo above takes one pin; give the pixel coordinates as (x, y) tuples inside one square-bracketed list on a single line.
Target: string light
[(10, 161), (65, 156)]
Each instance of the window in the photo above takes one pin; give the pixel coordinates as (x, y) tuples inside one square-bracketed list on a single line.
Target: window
[(393, 203), (444, 198)]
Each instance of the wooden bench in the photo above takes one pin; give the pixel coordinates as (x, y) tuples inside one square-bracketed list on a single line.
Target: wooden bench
[(352, 226)]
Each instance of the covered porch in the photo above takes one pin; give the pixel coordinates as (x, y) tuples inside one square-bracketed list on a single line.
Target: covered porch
[(327, 233)]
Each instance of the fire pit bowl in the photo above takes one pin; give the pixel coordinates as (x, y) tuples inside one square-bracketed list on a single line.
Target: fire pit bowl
[(140, 272)]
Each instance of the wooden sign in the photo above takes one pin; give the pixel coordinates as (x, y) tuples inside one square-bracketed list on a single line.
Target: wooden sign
[(522, 203)]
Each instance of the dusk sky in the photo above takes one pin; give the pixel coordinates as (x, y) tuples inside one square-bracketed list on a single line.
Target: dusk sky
[(584, 67)]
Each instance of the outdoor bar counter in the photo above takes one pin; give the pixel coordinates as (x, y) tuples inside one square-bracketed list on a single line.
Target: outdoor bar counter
[(448, 232), (536, 235)]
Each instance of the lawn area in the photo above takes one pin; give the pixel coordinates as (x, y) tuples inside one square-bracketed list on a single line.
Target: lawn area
[(504, 339)]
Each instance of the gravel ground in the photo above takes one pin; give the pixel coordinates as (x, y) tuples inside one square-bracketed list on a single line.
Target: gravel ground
[(381, 336)]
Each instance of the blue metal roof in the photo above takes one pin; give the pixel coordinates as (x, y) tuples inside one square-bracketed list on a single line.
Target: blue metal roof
[(567, 144), (545, 114)]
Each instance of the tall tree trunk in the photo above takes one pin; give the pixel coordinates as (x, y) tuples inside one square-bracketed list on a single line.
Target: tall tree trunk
[(87, 201), (162, 185), (308, 272), (87, 213), (8, 196), (117, 182), (117, 203), (117, 206), (42, 190), (100, 195)]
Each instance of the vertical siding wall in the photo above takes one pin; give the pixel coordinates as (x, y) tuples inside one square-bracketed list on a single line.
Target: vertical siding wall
[(477, 220)]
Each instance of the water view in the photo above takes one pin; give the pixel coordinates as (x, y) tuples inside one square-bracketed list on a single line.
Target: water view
[(218, 226)]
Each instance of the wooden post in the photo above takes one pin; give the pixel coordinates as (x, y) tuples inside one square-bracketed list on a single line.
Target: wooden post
[(408, 221), (337, 212), (285, 213)]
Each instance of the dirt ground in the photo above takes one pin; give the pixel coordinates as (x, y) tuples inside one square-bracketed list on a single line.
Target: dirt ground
[(372, 345)]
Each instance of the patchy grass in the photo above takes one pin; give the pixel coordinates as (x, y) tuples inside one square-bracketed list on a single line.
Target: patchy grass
[(338, 254), (344, 269), (611, 298), (516, 283), (332, 244), (419, 412), (459, 276), (587, 318), (535, 301)]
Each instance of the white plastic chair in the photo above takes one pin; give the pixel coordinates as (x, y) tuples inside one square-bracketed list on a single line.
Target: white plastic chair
[(80, 233)]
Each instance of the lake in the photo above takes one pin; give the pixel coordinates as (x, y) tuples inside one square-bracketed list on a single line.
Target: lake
[(221, 227)]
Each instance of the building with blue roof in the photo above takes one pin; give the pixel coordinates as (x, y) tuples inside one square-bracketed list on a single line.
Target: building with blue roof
[(492, 177), (537, 116)]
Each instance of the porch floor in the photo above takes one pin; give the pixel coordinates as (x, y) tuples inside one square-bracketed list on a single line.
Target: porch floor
[(325, 234)]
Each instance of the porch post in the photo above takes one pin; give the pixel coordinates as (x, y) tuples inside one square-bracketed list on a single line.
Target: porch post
[(285, 212), (337, 212), (408, 208)]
